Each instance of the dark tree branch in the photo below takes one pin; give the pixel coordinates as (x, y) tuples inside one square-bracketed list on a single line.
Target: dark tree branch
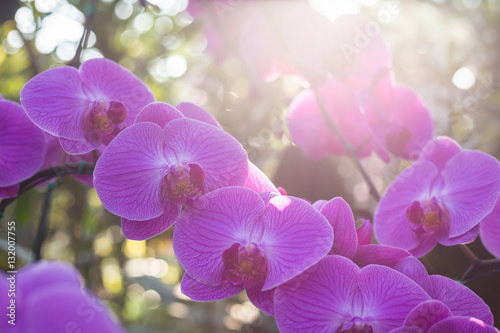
[(89, 21), (82, 168), (43, 226)]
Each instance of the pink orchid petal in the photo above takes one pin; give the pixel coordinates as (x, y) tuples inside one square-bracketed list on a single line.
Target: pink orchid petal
[(378, 254), (472, 186), (427, 314), (159, 113), (263, 300), (339, 215), (319, 299), (212, 225), (439, 151), (9, 191), (258, 181), (462, 325), (459, 299), (305, 117), (192, 111), (359, 51), (23, 145), (295, 236), (141, 230), (221, 156), (415, 270), (203, 292), (427, 243), (490, 231), (128, 176), (391, 226), (57, 309), (108, 80), (468, 237), (56, 100), (364, 232), (77, 147), (385, 307), (319, 204)]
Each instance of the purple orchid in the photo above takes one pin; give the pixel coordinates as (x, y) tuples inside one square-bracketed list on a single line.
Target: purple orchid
[(453, 304), (336, 295), (398, 120), (355, 243), (162, 162), (305, 117), (441, 198), (49, 298), (435, 317), (489, 231), (231, 240), (22, 149), (85, 108)]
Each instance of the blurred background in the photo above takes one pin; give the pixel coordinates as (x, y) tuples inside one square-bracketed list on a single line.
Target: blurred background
[(447, 51)]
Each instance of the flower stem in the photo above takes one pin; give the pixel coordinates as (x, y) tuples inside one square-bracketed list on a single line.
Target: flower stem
[(43, 226), (89, 21), (82, 168), (348, 147)]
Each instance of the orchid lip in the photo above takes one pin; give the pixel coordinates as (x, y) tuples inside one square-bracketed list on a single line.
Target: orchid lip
[(104, 121), (426, 215), (184, 183), (244, 265)]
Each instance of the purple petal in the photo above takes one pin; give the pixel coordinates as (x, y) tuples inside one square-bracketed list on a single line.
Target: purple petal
[(47, 274), (388, 297), (415, 270), (391, 225), (295, 237), (459, 299), (159, 113), (221, 156), (462, 325), (55, 100), (318, 300), (141, 230), (339, 215), (62, 308), (258, 181), (364, 232), (427, 314), (128, 176), (428, 242), (108, 80), (78, 147), (378, 254), (211, 225), (359, 55), (439, 151), (203, 292), (264, 300), (9, 191), (468, 237), (472, 185), (23, 145), (490, 231), (413, 118), (305, 117), (319, 204), (192, 111)]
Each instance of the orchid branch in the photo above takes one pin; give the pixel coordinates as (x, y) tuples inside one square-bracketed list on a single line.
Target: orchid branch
[(43, 226), (89, 21), (347, 146), (82, 168)]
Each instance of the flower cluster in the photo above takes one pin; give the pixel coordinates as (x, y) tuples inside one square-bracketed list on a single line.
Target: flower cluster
[(312, 266)]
